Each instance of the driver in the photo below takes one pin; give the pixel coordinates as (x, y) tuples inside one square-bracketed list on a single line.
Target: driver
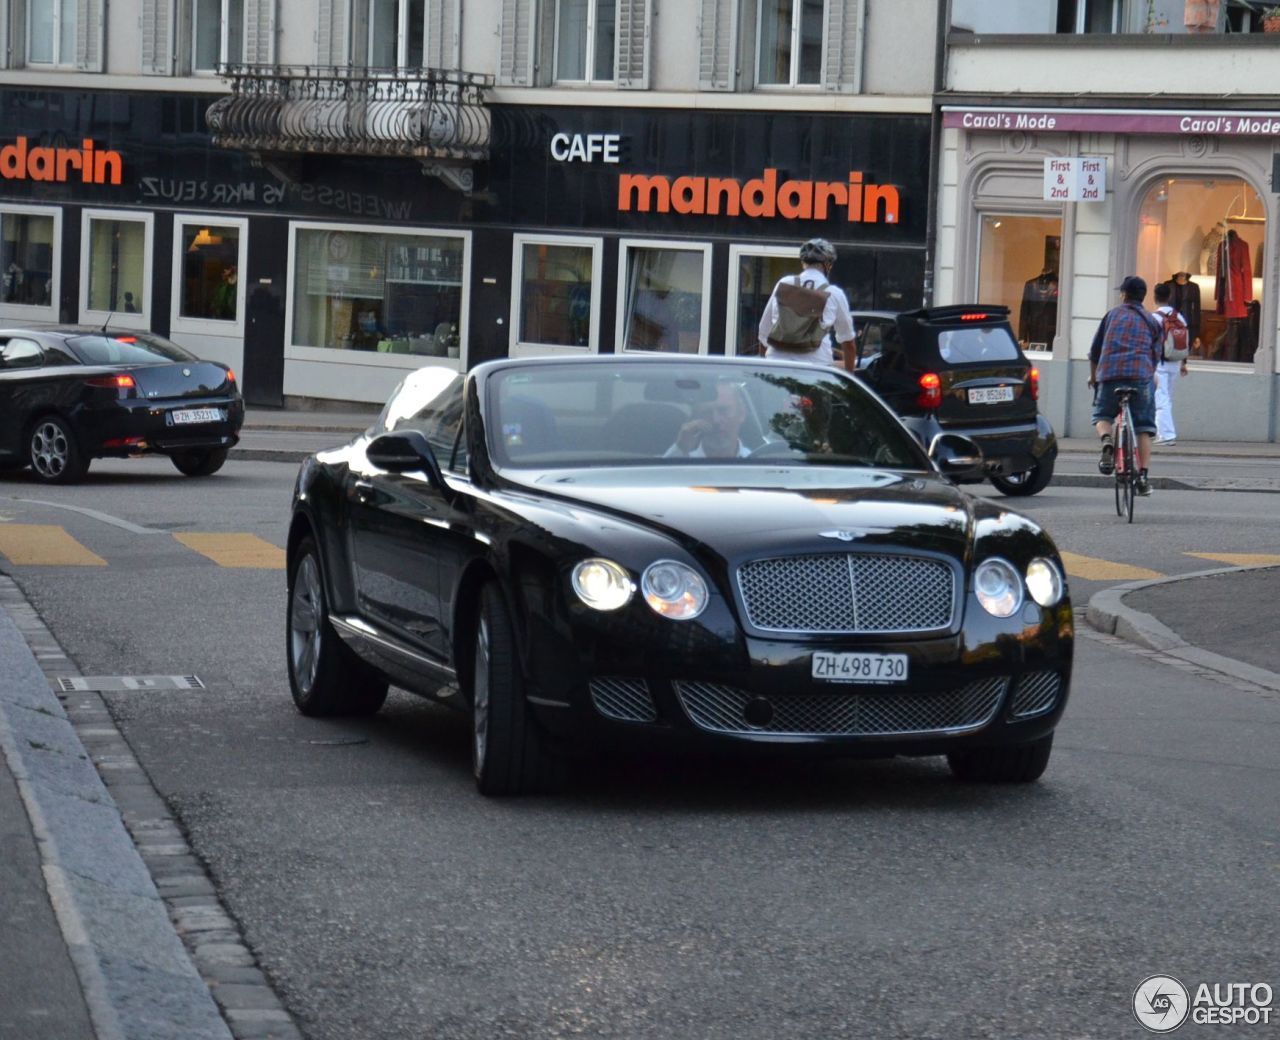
[(713, 432)]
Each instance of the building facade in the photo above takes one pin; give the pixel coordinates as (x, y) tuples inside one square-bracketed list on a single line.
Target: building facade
[(324, 196), (1178, 116)]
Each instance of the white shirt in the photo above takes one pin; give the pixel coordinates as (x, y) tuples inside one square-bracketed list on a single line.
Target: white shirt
[(835, 317)]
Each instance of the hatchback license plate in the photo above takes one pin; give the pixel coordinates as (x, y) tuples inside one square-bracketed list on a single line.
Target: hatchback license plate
[(860, 668), (990, 394), (186, 416)]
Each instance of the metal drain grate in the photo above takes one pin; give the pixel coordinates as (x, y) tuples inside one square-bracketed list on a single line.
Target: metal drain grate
[(121, 683)]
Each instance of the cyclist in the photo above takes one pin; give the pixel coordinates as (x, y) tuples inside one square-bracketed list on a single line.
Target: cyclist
[(1125, 352)]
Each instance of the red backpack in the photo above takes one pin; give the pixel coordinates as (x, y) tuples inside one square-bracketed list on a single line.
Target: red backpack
[(1177, 344)]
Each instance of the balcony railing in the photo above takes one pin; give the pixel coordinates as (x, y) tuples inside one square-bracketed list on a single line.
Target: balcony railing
[(280, 110)]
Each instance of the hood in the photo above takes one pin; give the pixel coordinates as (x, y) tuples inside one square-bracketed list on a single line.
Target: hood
[(749, 510)]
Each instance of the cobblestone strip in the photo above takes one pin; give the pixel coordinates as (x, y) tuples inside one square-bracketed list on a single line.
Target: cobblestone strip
[(212, 938)]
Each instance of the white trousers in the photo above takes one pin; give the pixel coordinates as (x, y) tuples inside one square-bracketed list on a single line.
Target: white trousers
[(1167, 376)]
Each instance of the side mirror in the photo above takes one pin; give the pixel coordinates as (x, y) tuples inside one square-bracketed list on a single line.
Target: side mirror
[(956, 456), (405, 451)]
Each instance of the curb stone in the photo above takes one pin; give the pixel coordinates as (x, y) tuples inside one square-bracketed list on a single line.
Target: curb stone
[(1108, 614), (150, 939)]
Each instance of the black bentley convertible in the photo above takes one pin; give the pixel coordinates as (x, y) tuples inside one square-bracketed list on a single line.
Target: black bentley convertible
[(706, 553)]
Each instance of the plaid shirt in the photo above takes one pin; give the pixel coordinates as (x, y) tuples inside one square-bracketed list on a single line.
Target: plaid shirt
[(1127, 345)]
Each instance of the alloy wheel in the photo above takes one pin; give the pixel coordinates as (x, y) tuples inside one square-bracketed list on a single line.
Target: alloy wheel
[(480, 696), (305, 612), (50, 450)]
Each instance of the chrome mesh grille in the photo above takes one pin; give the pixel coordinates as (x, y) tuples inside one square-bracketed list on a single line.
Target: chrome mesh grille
[(722, 709), (848, 593), (627, 700), (1036, 693)]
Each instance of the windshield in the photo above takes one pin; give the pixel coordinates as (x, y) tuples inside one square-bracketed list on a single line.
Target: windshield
[(689, 413), (127, 348)]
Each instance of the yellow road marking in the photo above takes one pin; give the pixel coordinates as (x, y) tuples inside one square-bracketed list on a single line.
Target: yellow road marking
[(1240, 559), (1093, 569), (44, 545), (235, 549)]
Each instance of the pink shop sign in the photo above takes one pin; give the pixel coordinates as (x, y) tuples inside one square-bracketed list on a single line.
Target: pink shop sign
[(1112, 121)]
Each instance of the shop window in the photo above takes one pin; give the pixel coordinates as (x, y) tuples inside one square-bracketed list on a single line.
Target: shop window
[(374, 291), (116, 268), (753, 272), (28, 262), (585, 35), (663, 298), (1207, 237), (556, 304), (217, 33), (51, 32), (207, 261), (790, 35), (1018, 260)]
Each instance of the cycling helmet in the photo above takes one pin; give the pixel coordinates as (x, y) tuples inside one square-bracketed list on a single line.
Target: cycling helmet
[(817, 251)]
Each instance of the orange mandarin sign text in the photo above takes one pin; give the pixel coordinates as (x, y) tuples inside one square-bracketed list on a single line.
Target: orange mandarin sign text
[(20, 162)]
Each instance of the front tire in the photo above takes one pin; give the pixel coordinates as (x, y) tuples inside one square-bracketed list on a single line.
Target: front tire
[(508, 752), (200, 463), (1028, 482), (53, 452), (1019, 764), (326, 678)]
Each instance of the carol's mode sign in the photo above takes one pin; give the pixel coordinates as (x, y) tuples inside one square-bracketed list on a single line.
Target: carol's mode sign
[(1078, 179)]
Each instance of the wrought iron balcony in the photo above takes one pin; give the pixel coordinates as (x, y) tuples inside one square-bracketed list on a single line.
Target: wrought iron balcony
[(283, 110)]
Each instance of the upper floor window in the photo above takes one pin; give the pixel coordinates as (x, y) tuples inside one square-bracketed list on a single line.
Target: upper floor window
[(586, 32), (395, 34), (51, 33), (791, 42), (217, 33)]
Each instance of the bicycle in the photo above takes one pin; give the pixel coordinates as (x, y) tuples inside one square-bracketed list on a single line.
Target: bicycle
[(1128, 464)]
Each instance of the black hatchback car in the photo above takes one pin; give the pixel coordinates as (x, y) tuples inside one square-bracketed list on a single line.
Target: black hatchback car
[(69, 395), (960, 370), (712, 553)]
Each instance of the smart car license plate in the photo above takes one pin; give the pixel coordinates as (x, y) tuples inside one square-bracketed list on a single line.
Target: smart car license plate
[(860, 668), (990, 394), (186, 416)]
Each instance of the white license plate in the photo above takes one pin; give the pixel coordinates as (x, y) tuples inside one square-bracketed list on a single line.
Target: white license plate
[(990, 394), (860, 668), (186, 416)]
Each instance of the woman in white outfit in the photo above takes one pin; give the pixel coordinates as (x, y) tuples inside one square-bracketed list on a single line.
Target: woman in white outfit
[(1167, 374)]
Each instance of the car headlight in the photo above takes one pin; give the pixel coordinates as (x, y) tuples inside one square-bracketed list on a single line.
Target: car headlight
[(1044, 582), (998, 586), (674, 590), (602, 584)]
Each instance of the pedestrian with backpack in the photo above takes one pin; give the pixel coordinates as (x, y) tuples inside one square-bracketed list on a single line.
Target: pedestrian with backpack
[(805, 308), (1173, 361)]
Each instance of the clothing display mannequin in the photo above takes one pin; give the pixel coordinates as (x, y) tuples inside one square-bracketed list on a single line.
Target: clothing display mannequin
[(1233, 289), (1038, 318), (1186, 301)]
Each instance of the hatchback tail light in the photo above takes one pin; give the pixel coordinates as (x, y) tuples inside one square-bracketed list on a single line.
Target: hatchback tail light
[(1033, 383), (231, 376), (930, 395), (119, 382)]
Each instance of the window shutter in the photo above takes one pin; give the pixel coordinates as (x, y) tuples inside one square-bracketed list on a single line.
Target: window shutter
[(518, 33), (631, 68), (10, 34), (331, 32), (443, 45), (718, 45), (843, 32), (157, 37), (259, 33)]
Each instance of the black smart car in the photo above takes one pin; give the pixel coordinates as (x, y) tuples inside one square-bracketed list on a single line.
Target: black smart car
[(713, 554), (69, 395), (960, 370)]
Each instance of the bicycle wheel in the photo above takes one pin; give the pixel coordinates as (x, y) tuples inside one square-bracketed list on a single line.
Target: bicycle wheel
[(1131, 463), (1120, 459)]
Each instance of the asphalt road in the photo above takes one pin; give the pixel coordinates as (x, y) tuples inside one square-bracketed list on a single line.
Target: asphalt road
[(659, 898)]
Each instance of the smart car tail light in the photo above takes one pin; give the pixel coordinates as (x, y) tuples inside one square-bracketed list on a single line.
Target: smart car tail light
[(1033, 384), (930, 395)]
